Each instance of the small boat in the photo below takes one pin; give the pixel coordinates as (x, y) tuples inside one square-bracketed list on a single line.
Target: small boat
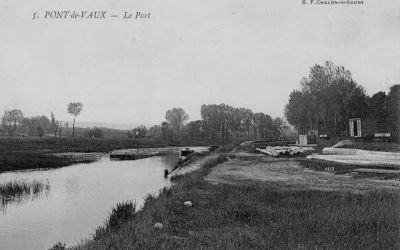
[(186, 154)]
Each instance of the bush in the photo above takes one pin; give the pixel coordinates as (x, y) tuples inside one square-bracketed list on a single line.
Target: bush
[(121, 213), (58, 246)]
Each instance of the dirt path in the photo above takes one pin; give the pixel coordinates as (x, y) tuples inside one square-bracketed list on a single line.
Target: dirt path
[(289, 174)]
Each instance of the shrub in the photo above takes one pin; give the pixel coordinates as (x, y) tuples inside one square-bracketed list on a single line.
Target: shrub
[(58, 246), (121, 213), (94, 133)]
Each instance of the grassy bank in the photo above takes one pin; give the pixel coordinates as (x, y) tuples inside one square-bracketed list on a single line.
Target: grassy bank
[(376, 146), (66, 144), (254, 215), (19, 153), (11, 161)]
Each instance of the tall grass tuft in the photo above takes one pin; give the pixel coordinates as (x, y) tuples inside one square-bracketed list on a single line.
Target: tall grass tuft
[(14, 188), (18, 191), (58, 246), (120, 214)]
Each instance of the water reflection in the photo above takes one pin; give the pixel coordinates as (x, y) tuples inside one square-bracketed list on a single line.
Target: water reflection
[(170, 159)]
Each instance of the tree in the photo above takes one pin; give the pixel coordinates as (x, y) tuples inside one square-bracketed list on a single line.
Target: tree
[(194, 130), (165, 131), (263, 126), (30, 125), (156, 132), (176, 118), (327, 99), (54, 125), (393, 106), (12, 120), (223, 123), (139, 131), (39, 131), (74, 108)]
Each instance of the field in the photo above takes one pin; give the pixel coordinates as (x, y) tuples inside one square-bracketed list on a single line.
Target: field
[(247, 213)]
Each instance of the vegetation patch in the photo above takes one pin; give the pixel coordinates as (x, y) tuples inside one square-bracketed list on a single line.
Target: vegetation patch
[(11, 161), (375, 146), (17, 190), (65, 144), (19, 153), (119, 215), (338, 168)]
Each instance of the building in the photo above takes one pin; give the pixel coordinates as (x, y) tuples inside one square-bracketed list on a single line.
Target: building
[(374, 129)]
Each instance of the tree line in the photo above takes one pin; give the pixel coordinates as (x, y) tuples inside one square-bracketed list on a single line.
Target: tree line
[(220, 123), (329, 97), (13, 121)]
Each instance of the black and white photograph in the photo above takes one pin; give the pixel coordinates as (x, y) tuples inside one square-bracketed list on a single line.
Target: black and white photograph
[(188, 124)]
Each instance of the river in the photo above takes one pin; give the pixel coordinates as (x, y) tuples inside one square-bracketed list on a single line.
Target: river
[(79, 200)]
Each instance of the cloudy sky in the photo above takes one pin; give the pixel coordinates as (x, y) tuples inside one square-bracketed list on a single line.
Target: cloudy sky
[(190, 52)]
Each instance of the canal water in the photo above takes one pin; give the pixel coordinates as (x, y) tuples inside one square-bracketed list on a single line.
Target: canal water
[(79, 200)]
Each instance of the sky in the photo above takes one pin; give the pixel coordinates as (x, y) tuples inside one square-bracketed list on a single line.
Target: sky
[(189, 52)]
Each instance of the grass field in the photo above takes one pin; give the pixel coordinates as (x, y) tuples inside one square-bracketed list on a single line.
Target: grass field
[(255, 215), (376, 146)]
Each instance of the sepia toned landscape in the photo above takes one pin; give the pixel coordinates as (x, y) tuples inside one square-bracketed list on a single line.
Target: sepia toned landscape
[(226, 125)]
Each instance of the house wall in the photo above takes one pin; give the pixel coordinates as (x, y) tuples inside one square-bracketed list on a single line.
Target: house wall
[(368, 127)]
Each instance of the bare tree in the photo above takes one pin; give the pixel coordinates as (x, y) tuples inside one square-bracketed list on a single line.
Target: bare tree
[(74, 108)]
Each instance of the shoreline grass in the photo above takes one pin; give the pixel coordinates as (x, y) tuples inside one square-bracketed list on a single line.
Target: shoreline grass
[(256, 215), (75, 144), (19, 190), (12, 161), (22, 187), (20, 153), (375, 146)]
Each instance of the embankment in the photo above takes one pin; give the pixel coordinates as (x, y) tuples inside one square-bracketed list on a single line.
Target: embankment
[(254, 214), (19, 153)]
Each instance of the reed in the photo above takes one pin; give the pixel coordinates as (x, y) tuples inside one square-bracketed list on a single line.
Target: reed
[(119, 215), (17, 188)]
